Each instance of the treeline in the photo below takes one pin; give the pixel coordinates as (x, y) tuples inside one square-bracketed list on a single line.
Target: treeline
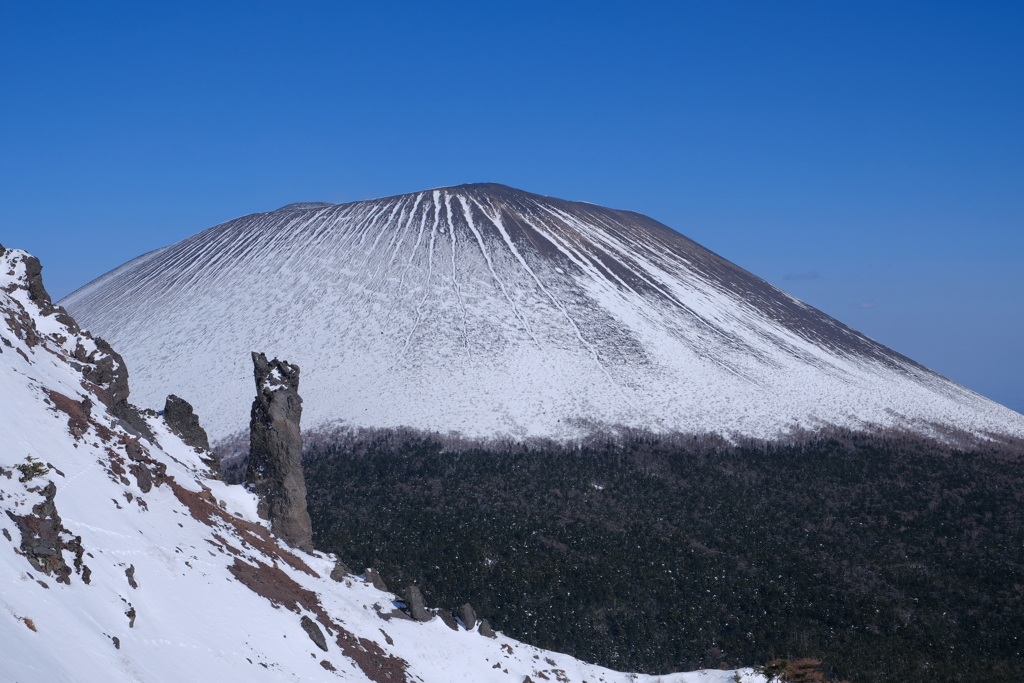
[(890, 557)]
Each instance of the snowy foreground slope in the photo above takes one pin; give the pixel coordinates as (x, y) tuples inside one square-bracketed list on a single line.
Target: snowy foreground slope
[(121, 560), (489, 311)]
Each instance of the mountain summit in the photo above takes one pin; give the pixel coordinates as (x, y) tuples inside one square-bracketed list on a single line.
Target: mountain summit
[(492, 312)]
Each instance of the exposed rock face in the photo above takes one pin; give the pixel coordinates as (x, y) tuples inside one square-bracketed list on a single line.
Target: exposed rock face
[(37, 292), (468, 616), (486, 630), (110, 372), (274, 472), (417, 605), (183, 421), (101, 366), (44, 538)]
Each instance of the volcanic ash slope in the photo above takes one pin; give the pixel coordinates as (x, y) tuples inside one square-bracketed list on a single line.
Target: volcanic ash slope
[(120, 560), (489, 311)]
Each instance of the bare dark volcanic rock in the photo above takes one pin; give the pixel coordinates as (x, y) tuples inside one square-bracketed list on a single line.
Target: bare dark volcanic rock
[(275, 452), (181, 418), (493, 312)]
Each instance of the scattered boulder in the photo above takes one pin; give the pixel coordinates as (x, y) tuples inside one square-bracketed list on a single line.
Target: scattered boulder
[(486, 630), (183, 421), (416, 604), (274, 471), (373, 578), (314, 632), (340, 571), (130, 573), (468, 616)]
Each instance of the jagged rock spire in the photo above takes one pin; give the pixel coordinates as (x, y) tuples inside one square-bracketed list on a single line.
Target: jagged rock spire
[(275, 451)]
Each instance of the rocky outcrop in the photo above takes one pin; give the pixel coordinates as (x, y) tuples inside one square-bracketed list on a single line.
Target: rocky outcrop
[(37, 292), (44, 539), (183, 421), (102, 366), (486, 630), (274, 471)]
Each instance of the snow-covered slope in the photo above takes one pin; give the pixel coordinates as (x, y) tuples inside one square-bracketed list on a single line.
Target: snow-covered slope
[(120, 560), (489, 311)]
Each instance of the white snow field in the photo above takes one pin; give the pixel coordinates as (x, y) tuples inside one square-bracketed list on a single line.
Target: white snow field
[(215, 597), (492, 312)]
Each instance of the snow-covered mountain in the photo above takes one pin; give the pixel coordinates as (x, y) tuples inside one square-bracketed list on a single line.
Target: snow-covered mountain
[(488, 311), (121, 560)]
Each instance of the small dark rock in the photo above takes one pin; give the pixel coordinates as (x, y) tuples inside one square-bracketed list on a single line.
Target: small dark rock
[(340, 571), (314, 632), (527, 680), (373, 578), (448, 619), (387, 638), (130, 573), (468, 616), (327, 665), (131, 616), (7, 535), (117, 642), (486, 630), (417, 605)]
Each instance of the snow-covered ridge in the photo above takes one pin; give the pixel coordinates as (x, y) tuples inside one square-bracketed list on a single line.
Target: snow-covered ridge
[(121, 560), (492, 312)]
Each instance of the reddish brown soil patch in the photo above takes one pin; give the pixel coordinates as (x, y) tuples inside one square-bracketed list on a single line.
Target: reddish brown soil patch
[(204, 508), (276, 586), (78, 421)]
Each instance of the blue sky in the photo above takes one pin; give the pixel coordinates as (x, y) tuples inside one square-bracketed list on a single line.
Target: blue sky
[(866, 157)]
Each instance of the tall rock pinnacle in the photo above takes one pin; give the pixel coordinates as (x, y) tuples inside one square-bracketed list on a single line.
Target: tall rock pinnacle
[(275, 451)]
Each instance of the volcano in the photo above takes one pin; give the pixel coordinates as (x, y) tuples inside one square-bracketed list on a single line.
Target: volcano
[(495, 313)]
